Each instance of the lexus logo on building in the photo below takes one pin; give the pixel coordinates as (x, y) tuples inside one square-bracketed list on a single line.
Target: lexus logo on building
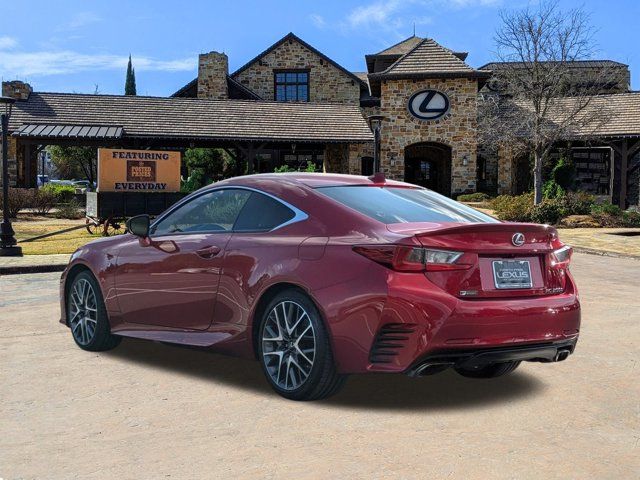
[(517, 239), (428, 104)]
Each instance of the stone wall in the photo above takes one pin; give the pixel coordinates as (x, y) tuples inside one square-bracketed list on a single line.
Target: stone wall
[(326, 82), (213, 68), (336, 158), (16, 89), (457, 129)]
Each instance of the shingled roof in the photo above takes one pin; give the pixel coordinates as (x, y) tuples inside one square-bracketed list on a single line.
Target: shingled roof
[(620, 112), (494, 66), (192, 118), (430, 59), (402, 47)]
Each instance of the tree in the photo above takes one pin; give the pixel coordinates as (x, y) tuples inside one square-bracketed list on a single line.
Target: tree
[(75, 162), (206, 165), (538, 100), (130, 82)]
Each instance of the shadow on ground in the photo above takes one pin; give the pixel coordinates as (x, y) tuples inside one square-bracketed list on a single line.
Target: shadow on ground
[(444, 391)]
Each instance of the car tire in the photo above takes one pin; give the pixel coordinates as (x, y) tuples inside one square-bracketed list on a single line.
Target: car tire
[(489, 371), (87, 315), (296, 357)]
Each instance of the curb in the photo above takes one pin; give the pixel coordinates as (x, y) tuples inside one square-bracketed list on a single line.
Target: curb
[(19, 269), (602, 253)]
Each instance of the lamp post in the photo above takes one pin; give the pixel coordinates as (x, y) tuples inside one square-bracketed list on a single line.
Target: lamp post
[(376, 122), (8, 242)]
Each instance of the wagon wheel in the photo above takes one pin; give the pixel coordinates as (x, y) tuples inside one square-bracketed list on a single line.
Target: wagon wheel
[(91, 225), (113, 226)]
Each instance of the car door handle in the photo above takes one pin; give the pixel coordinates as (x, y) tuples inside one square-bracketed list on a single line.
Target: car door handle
[(208, 252)]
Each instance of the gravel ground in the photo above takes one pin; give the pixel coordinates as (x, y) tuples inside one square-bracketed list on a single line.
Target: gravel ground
[(153, 411)]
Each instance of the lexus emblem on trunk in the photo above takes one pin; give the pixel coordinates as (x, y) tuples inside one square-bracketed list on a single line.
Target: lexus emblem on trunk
[(517, 239)]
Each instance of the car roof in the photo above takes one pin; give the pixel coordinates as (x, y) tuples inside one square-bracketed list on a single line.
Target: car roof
[(312, 180)]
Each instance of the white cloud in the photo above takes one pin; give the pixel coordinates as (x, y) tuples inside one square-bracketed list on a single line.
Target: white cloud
[(318, 20), (7, 43), (22, 64), (393, 14), (379, 12)]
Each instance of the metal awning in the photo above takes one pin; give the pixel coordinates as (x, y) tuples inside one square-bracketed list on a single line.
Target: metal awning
[(68, 131)]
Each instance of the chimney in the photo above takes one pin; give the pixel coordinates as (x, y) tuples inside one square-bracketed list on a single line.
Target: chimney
[(213, 68), (16, 89)]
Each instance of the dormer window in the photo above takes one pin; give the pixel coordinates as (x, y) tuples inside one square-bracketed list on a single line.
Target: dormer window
[(292, 86)]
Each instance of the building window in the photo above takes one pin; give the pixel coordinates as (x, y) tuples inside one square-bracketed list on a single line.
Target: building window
[(292, 86)]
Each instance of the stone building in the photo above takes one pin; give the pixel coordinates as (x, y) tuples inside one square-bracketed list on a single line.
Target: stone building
[(292, 104)]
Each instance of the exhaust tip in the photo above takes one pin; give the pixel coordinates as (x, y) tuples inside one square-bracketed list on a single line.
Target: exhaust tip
[(562, 355)]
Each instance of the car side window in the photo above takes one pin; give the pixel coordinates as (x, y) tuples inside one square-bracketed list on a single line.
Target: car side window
[(214, 211), (262, 213)]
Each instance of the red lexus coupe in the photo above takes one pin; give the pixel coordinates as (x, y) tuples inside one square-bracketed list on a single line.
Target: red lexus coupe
[(319, 276)]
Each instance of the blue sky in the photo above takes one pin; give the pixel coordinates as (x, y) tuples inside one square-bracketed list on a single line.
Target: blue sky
[(73, 45)]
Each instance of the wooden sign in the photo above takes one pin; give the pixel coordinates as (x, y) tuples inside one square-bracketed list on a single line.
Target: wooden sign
[(138, 170)]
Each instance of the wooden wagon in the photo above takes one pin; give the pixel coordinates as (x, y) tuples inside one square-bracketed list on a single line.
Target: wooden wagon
[(108, 211)]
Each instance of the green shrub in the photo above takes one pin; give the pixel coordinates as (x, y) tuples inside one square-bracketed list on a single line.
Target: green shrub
[(513, 208), (606, 209), (550, 211), (310, 168), (473, 197), (71, 210), (551, 189), (63, 193)]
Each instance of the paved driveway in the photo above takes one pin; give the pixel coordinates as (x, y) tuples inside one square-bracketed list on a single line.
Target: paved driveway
[(152, 411)]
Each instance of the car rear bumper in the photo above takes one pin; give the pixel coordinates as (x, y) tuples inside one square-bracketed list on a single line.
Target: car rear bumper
[(479, 357)]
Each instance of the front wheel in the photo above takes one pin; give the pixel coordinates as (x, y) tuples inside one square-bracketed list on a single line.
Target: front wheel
[(488, 371), (294, 349), (87, 315)]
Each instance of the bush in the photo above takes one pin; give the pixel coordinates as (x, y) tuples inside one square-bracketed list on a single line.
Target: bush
[(62, 193), (513, 208), (606, 209), (310, 168), (579, 203), (19, 199), (69, 210), (473, 197), (549, 211), (551, 189), (43, 201), (564, 173)]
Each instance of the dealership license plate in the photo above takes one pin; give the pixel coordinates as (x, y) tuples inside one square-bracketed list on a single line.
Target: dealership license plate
[(512, 274)]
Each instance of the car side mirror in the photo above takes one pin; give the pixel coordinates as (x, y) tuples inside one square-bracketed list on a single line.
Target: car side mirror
[(139, 225)]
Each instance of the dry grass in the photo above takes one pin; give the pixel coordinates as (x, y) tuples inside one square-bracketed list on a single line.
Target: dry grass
[(27, 226)]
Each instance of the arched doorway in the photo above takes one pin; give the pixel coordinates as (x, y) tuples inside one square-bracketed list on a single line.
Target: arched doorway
[(428, 164)]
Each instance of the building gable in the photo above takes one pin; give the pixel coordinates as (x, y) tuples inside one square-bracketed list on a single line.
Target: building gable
[(328, 81)]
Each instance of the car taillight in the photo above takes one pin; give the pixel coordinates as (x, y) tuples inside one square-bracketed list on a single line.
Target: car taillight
[(558, 265), (404, 258), (562, 256)]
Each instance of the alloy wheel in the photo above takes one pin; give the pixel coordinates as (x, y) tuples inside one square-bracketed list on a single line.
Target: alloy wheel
[(83, 312), (288, 345)]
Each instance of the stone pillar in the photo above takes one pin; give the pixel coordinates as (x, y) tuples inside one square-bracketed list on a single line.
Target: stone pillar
[(213, 68), (20, 91)]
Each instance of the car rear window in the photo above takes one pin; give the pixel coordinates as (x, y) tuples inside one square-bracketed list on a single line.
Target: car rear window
[(404, 205), (262, 213)]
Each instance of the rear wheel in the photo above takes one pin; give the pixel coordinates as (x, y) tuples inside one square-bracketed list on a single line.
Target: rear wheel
[(488, 371), (87, 315), (294, 349)]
